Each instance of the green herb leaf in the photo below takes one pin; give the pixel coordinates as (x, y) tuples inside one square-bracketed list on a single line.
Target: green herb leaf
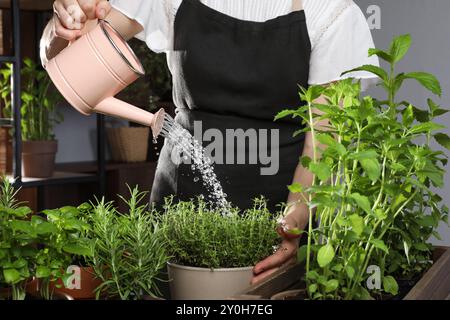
[(301, 253), (22, 225), (380, 53), (331, 285), (312, 288), (321, 169), (284, 114), (45, 228), (378, 243), (366, 154), (372, 69), (12, 276), (350, 271), (422, 246), (427, 80), (362, 202), (399, 47), (295, 188), (325, 255), (426, 127), (42, 272), (408, 116), (357, 223), (326, 139), (390, 285), (77, 249), (443, 140), (372, 167)]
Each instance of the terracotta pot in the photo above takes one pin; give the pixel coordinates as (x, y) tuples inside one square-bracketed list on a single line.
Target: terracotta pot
[(87, 282), (31, 289), (190, 283), (299, 294), (38, 158)]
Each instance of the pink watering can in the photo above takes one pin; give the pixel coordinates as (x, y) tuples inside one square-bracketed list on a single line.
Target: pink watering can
[(93, 69)]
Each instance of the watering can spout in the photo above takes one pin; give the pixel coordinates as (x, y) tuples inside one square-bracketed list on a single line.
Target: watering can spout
[(119, 109), (93, 69)]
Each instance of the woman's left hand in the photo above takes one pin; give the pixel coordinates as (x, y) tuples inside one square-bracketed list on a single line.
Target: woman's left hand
[(289, 230)]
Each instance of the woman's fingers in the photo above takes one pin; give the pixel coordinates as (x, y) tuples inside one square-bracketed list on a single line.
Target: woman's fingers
[(78, 16), (103, 9), (65, 19), (64, 33), (262, 276), (286, 252), (72, 15), (88, 7)]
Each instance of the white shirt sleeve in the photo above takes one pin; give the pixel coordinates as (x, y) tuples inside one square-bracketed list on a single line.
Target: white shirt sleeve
[(154, 16), (342, 44)]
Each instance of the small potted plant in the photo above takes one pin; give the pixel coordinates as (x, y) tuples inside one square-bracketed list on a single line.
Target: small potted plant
[(373, 198), (151, 92), (128, 250), (39, 116), (71, 240), (16, 245), (212, 254), (34, 251)]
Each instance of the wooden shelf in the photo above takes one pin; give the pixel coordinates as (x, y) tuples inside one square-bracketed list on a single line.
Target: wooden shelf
[(58, 178), (36, 5), (91, 167)]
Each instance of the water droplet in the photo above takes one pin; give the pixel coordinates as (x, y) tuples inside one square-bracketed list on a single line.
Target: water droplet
[(191, 148)]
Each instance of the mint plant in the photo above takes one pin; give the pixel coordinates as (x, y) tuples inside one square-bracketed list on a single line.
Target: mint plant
[(372, 197)]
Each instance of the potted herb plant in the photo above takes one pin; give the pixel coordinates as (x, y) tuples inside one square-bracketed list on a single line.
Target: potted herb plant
[(128, 249), (32, 247), (151, 92), (16, 246), (73, 238), (39, 116), (212, 255), (375, 172)]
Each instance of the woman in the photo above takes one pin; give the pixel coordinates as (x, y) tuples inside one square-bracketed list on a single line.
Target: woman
[(235, 64)]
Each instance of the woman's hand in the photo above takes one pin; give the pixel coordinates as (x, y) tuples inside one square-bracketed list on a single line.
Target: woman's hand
[(290, 230), (70, 16)]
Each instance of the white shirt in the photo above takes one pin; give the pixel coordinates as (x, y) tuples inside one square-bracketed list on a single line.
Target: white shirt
[(338, 30)]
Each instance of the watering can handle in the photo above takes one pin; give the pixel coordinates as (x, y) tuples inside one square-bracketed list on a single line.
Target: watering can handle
[(117, 108)]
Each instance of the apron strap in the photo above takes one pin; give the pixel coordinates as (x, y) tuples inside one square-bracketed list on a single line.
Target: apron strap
[(297, 5)]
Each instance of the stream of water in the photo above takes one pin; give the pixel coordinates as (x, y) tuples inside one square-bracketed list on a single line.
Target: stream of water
[(191, 148)]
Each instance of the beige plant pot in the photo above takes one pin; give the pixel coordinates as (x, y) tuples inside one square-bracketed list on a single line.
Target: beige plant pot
[(190, 283), (128, 144)]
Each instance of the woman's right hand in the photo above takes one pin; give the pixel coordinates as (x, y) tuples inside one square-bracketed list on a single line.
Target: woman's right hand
[(70, 16)]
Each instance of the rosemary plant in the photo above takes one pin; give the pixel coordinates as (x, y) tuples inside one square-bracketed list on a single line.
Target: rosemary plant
[(128, 250)]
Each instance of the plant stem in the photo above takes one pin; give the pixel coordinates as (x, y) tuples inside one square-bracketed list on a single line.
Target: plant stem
[(310, 218)]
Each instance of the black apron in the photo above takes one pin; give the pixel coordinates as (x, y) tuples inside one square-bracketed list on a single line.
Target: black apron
[(233, 76)]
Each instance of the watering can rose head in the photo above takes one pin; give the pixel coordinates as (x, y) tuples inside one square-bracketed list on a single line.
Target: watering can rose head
[(93, 69)]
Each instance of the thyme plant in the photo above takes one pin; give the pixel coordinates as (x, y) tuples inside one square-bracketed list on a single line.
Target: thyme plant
[(199, 236), (372, 196)]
